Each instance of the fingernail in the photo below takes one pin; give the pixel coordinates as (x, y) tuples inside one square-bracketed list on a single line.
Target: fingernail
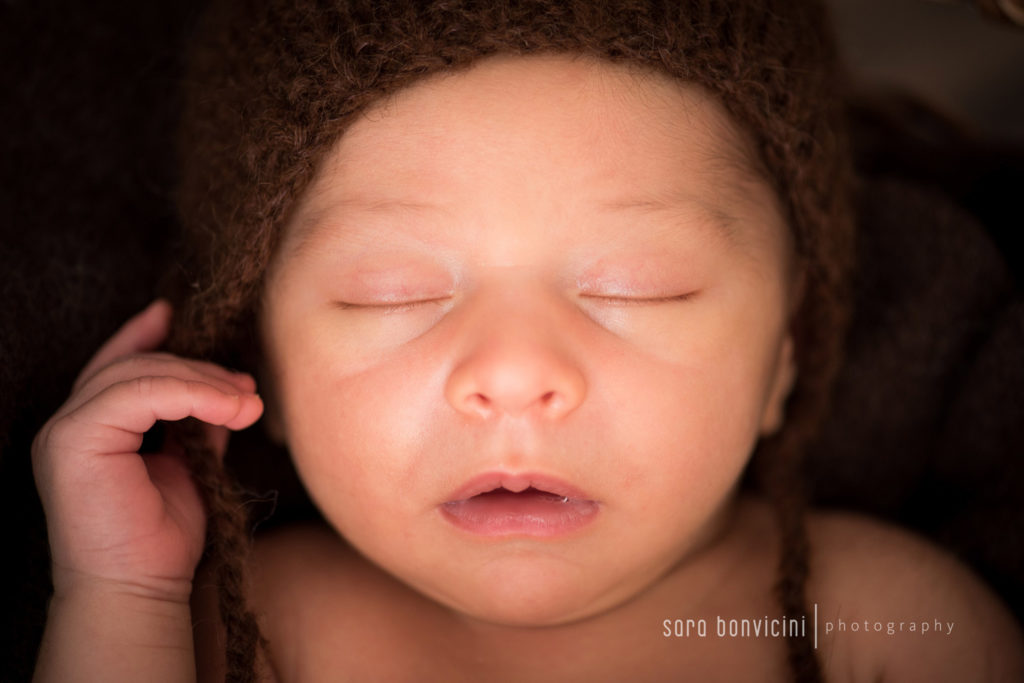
[(155, 303)]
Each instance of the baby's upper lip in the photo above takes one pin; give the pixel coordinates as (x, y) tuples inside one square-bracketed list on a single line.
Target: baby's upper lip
[(516, 482)]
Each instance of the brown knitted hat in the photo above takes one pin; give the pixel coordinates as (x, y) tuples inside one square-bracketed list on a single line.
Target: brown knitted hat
[(273, 84)]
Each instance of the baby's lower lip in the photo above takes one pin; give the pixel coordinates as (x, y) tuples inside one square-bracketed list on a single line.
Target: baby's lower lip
[(528, 513)]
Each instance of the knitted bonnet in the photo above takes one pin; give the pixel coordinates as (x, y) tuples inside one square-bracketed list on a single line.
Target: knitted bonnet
[(271, 85)]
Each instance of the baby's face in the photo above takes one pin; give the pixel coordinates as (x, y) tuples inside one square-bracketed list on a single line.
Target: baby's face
[(551, 279)]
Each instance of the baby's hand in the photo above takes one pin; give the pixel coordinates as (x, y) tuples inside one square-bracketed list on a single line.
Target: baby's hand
[(116, 518)]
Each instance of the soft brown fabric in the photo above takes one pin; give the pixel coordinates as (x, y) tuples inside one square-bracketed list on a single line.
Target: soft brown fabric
[(927, 425)]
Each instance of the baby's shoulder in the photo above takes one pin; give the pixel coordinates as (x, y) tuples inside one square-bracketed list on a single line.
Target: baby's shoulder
[(301, 547), (296, 569), (893, 606), (326, 608), (851, 550)]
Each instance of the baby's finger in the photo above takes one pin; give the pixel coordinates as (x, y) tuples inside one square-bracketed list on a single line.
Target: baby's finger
[(242, 380), (115, 420), (142, 332), (159, 365)]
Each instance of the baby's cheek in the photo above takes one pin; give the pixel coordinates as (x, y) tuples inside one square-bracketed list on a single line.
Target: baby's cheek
[(357, 447), (692, 434)]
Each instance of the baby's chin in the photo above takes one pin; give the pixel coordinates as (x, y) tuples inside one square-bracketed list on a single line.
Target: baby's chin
[(523, 611), (526, 594)]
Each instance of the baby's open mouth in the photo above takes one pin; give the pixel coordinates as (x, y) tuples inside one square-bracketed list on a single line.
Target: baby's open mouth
[(530, 511), (502, 494)]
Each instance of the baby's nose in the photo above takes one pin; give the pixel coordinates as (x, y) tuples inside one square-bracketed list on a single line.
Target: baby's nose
[(516, 369)]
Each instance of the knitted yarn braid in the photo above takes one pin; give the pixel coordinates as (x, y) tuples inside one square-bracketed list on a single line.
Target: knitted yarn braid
[(226, 550), (273, 84)]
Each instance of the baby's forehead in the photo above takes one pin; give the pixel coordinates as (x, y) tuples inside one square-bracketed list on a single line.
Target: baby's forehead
[(604, 106), (570, 131), (574, 94)]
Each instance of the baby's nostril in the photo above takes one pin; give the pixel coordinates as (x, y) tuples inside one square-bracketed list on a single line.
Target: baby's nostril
[(477, 404)]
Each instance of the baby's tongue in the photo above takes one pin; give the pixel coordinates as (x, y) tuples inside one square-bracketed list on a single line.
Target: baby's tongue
[(531, 512)]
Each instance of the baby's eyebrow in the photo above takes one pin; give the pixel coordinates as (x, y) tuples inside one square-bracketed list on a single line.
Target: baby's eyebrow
[(683, 206), (715, 215), (382, 204), (310, 227)]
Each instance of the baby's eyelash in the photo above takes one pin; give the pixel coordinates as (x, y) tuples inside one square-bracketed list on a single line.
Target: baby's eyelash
[(403, 306), (388, 308), (637, 301)]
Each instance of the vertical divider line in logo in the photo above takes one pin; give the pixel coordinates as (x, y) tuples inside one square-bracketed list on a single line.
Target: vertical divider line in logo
[(815, 626)]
